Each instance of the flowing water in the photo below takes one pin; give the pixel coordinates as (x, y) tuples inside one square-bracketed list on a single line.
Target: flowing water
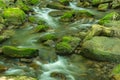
[(71, 68)]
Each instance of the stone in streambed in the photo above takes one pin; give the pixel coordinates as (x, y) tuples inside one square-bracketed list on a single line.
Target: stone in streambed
[(109, 18), (14, 16), (115, 74), (12, 51), (73, 15), (67, 45), (57, 5), (102, 49)]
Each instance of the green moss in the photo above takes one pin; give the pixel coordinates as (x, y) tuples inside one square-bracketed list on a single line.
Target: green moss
[(95, 1), (12, 51), (64, 2), (40, 28), (48, 36), (32, 19), (63, 48), (14, 16), (2, 38), (2, 4), (34, 2), (109, 17), (75, 14), (22, 6), (116, 70)]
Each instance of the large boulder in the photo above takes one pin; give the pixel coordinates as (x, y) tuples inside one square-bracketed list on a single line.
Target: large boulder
[(102, 48), (12, 51), (14, 16)]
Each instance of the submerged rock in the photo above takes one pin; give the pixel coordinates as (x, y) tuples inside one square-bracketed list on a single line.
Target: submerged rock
[(14, 16), (58, 75), (12, 51), (102, 48)]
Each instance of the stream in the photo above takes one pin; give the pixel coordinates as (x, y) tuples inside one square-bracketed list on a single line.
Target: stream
[(74, 67)]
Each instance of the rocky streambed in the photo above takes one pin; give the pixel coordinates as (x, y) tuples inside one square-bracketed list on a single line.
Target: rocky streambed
[(59, 39)]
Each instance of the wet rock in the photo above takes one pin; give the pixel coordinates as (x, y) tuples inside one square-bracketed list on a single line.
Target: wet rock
[(109, 17), (26, 60), (33, 2), (103, 7), (116, 4), (12, 51), (56, 5), (56, 13), (115, 74), (14, 16), (2, 4), (47, 36), (2, 67), (58, 75), (64, 2), (20, 4), (97, 2), (40, 28), (16, 78), (83, 4), (74, 15), (67, 45), (102, 48)]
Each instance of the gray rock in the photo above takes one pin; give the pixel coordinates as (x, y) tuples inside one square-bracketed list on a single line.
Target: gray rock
[(102, 48)]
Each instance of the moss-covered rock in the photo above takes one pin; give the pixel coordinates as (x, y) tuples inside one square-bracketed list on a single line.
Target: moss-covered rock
[(58, 75), (67, 45), (20, 4), (47, 36), (64, 2), (63, 48), (75, 15), (14, 16), (102, 48), (116, 72), (2, 4), (56, 5), (12, 51), (40, 28), (97, 2), (109, 17), (103, 7), (33, 2)]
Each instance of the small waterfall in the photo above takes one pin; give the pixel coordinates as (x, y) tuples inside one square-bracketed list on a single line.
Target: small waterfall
[(73, 6), (61, 65), (44, 15)]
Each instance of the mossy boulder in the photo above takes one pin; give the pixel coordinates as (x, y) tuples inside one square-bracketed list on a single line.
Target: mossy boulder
[(97, 2), (56, 5), (63, 48), (103, 7), (116, 72), (58, 75), (64, 2), (20, 4), (102, 49), (67, 45), (47, 36), (14, 16), (109, 18), (33, 2), (16, 52), (75, 15), (40, 28)]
